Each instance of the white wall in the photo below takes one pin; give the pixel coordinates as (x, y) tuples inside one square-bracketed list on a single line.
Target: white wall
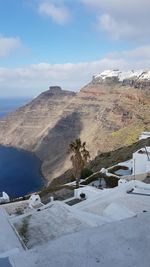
[(144, 135), (141, 164), (147, 166), (89, 191), (4, 198)]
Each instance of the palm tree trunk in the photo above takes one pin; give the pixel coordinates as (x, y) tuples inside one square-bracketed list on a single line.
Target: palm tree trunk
[(77, 182)]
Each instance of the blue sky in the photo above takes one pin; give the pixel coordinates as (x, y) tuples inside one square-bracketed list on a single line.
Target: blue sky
[(64, 42)]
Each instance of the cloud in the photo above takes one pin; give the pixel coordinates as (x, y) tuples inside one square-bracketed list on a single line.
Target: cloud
[(55, 10), (122, 20), (117, 6), (33, 79), (8, 45), (114, 29)]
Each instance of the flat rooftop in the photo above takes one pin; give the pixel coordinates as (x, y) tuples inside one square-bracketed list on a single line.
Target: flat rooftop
[(118, 244), (110, 228)]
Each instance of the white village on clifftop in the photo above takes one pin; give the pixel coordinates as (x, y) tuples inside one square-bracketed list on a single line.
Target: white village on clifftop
[(98, 226)]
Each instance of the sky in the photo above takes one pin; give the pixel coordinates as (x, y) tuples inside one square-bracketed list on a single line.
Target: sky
[(66, 42)]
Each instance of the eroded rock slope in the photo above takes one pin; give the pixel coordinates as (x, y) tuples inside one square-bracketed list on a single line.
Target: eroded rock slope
[(107, 114)]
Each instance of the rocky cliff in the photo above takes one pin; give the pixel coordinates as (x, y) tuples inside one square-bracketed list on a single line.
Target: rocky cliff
[(107, 114)]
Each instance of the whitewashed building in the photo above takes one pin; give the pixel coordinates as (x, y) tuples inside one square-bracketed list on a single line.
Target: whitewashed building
[(141, 161), (4, 198), (35, 201), (144, 135)]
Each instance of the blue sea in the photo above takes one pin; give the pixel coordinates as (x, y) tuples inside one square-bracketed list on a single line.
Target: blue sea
[(20, 171), (10, 104)]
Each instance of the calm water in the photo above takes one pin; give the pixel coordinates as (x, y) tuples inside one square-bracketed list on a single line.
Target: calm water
[(9, 104), (19, 170)]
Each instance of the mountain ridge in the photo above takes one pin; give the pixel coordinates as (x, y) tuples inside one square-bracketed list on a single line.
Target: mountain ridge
[(105, 115)]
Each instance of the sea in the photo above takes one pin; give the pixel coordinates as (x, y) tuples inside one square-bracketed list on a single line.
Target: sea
[(10, 104), (20, 171)]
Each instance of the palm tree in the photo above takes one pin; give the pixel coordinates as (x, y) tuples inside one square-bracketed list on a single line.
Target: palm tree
[(79, 158)]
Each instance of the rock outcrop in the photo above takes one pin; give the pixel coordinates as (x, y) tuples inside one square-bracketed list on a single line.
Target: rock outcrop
[(106, 115)]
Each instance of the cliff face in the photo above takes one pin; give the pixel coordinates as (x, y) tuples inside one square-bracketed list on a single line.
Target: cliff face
[(105, 114)]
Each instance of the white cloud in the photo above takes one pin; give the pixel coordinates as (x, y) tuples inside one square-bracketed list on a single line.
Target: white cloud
[(125, 20), (33, 79), (8, 45), (114, 29), (123, 7), (55, 10)]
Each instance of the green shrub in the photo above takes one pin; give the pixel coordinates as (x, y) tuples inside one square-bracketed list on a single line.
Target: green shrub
[(86, 173)]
